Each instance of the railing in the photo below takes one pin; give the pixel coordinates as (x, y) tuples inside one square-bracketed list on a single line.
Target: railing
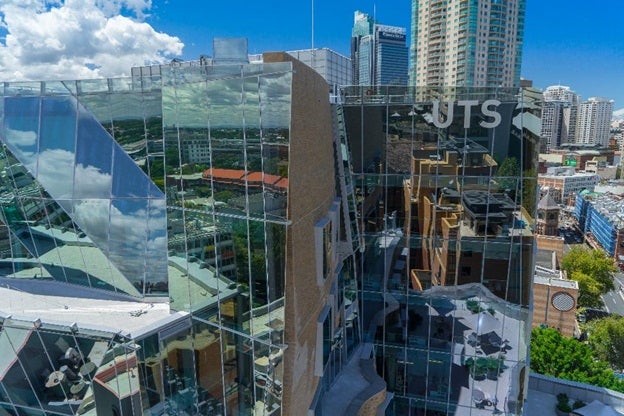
[(389, 94)]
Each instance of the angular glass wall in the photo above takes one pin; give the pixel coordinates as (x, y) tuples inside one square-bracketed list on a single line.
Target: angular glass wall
[(445, 186), (173, 188), (75, 207)]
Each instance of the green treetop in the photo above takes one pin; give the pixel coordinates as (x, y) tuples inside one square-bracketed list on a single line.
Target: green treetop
[(594, 270), (554, 355), (606, 338)]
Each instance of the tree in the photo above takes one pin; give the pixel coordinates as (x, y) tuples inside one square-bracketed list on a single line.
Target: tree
[(508, 178), (587, 264), (606, 339), (554, 355), (508, 174), (529, 190), (589, 290)]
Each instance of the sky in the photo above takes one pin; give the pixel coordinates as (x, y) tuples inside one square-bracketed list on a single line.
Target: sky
[(566, 42)]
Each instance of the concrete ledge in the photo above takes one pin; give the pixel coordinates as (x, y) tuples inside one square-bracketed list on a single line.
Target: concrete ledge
[(575, 390)]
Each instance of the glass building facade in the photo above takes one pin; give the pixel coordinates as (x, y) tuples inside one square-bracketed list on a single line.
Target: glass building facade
[(155, 260), (217, 239), (445, 185)]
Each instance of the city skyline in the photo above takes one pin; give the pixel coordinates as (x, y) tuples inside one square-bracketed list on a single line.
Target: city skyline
[(556, 36), (285, 253)]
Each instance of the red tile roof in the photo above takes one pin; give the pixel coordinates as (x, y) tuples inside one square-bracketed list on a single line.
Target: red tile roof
[(257, 177), (237, 176), (231, 174)]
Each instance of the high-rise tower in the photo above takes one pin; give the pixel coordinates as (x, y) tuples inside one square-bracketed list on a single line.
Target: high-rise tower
[(466, 42), (559, 116), (378, 53), (362, 26), (594, 121)]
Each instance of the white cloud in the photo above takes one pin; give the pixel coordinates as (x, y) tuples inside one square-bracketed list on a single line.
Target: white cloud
[(134, 243), (78, 39)]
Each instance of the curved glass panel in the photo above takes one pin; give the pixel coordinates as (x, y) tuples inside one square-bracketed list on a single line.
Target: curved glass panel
[(275, 99), (128, 124), (155, 267), (139, 187), (67, 235)]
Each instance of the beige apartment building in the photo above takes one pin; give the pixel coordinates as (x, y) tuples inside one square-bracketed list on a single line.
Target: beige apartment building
[(466, 43)]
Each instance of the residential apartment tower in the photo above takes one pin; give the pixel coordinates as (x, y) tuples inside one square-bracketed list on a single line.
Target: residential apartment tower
[(466, 42)]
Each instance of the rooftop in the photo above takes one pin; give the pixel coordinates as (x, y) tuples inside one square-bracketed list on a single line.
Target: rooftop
[(71, 307), (543, 390), (541, 277), (547, 202), (608, 205)]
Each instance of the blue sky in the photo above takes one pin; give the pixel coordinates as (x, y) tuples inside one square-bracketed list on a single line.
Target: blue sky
[(566, 41)]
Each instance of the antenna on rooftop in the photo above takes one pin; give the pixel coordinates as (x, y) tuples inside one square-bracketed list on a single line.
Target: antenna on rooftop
[(312, 24)]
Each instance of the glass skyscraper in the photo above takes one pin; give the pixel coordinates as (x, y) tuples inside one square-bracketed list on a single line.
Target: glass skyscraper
[(379, 53)]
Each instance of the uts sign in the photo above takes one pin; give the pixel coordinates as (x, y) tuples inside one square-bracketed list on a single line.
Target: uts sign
[(487, 109)]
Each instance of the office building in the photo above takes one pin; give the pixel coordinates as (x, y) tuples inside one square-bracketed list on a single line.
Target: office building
[(601, 219), (594, 121), (318, 241), (466, 43), (363, 25), (446, 211), (333, 67), (138, 278), (564, 183), (378, 53)]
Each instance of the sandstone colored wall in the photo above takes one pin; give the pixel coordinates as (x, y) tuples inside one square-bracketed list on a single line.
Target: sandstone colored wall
[(310, 196)]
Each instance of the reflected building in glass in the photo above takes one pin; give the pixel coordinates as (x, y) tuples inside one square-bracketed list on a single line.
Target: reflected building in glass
[(168, 241), (216, 238), (444, 183)]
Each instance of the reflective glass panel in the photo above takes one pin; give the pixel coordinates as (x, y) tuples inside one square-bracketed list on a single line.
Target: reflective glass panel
[(94, 154), (21, 129), (127, 243)]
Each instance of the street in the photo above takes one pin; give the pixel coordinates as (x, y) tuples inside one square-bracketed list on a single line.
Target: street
[(614, 300)]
